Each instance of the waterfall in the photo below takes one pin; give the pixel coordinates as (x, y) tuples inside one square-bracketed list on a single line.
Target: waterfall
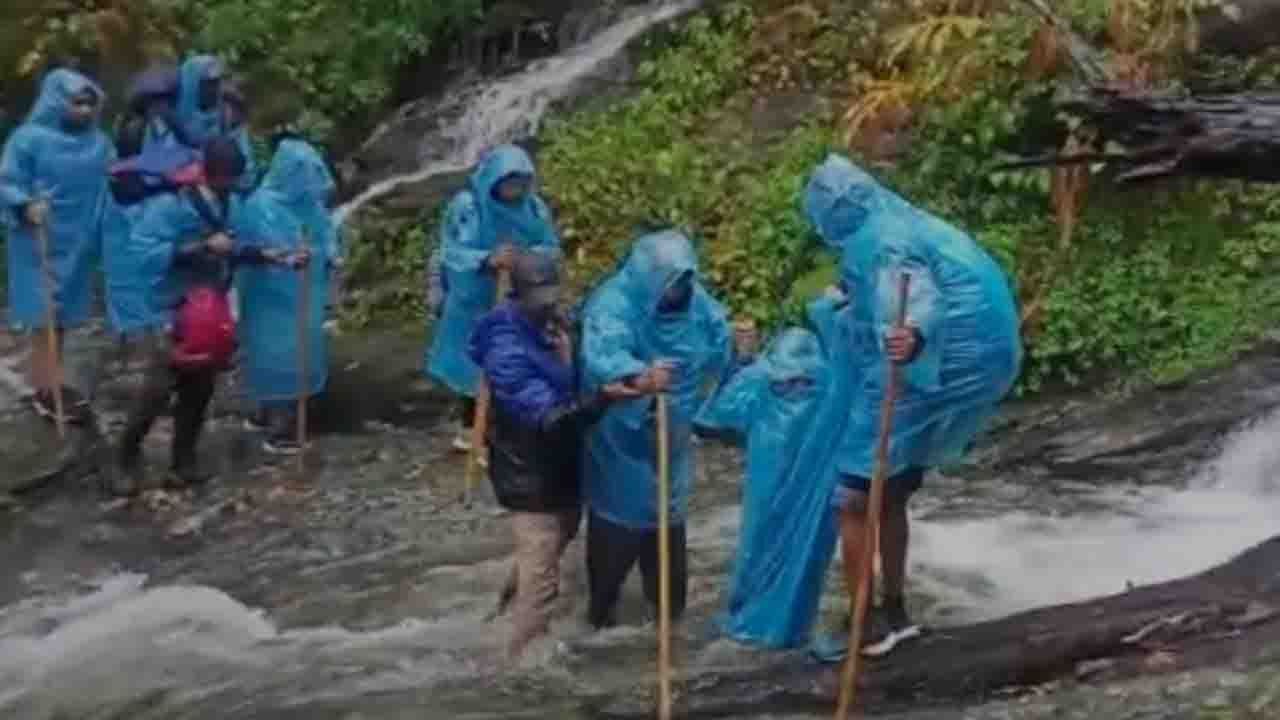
[(457, 129)]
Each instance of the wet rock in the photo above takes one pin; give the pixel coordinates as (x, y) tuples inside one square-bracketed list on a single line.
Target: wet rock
[(1152, 436), (101, 534), (1094, 669)]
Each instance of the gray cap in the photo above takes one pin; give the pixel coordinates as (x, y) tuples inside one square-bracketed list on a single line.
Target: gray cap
[(536, 277)]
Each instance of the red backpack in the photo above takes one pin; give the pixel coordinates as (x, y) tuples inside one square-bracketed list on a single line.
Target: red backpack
[(204, 331)]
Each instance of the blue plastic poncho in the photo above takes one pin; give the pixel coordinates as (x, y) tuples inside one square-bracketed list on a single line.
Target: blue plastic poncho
[(623, 333), (146, 277), (960, 302), (780, 405), (200, 124), (288, 209), (475, 225), (69, 169)]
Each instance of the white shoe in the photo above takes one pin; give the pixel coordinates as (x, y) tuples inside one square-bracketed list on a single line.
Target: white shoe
[(462, 442)]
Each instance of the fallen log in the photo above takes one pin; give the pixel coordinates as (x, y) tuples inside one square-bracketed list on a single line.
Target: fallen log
[(1163, 135), (1218, 616)]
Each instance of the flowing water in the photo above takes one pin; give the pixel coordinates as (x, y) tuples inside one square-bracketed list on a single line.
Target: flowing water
[(442, 137), (364, 593)]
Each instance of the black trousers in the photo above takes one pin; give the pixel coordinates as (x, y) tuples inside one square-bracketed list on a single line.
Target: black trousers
[(193, 390), (612, 550)]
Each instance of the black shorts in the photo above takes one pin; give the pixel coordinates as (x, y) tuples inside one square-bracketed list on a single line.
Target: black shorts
[(853, 490)]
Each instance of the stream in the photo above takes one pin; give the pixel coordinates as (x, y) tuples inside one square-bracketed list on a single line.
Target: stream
[(361, 589)]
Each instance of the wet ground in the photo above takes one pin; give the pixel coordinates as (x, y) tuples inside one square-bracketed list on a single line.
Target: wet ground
[(359, 587)]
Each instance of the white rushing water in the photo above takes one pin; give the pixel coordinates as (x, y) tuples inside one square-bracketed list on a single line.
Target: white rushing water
[(514, 107), (992, 567), (203, 650)]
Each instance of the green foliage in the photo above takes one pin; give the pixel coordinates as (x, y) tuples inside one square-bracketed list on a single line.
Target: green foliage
[(335, 59), (1153, 283), (673, 153), (324, 64)]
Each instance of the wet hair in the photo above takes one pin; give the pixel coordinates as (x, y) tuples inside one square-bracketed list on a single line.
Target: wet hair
[(222, 158)]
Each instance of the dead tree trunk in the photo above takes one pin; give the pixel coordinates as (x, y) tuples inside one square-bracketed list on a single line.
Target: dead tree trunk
[(1225, 136), (1215, 617)]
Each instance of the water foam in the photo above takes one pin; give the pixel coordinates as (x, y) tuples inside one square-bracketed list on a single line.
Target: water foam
[(992, 567)]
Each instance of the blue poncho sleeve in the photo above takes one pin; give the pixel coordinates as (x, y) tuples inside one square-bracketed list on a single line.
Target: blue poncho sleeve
[(733, 405), (900, 257), (610, 348), (17, 175)]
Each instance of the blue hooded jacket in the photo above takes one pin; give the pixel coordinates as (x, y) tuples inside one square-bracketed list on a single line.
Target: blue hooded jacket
[(960, 302), (785, 406), (623, 334), (153, 270), (43, 159), (288, 209), (526, 376), (475, 225), (201, 125)]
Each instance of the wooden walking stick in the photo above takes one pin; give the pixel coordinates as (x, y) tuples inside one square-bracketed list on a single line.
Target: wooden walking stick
[(480, 421), (664, 561), (51, 328), (862, 595), (304, 333)]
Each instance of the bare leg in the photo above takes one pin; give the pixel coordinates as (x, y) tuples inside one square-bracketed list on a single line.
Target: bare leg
[(895, 532), (853, 535)]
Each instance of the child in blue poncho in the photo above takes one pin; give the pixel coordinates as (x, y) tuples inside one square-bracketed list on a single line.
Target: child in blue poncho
[(786, 408)]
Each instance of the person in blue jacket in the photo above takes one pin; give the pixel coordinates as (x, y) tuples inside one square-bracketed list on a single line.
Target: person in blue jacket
[(960, 353), (498, 213), (653, 326), (783, 405), (178, 241), (540, 419), (288, 212), (204, 111), (53, 184)]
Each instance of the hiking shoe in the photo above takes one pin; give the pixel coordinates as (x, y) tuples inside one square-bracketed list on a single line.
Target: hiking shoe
[(187, 476), (127, 478), (282, 446), (895, 627), (75, 407), (883, 630), (462, 441), (256, 423)]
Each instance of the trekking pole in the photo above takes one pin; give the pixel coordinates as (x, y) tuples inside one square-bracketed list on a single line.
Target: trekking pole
[(480, 421), (50, 327), (862, 596), (664, 561), (304, 327)]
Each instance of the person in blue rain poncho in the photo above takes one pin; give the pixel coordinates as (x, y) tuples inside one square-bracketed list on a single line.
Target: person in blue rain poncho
[(53, 183), (653, 325), (787, 409), (496, 214), (287, 212), (203, 111), (151, 117), (960, 352), (178, 241)]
